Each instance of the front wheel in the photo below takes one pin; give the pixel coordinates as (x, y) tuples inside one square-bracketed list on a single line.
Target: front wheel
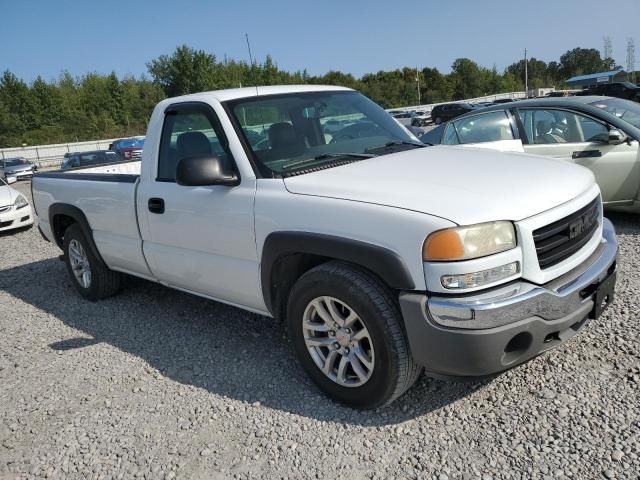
[(347, 331), (89, 274)]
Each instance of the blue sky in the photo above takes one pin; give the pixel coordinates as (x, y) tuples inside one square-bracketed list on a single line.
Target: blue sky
[(48, 36)]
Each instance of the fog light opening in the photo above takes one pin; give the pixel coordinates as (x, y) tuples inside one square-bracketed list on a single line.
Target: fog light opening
[(551, 337), (516, 347)]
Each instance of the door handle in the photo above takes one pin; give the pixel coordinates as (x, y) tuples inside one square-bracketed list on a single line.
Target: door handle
[(587, 154), (156, 205)]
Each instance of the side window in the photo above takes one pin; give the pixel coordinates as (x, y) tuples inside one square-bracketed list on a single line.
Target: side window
[(487, 127), (188, 132), (450, 136), (592, 130), (548, 126)]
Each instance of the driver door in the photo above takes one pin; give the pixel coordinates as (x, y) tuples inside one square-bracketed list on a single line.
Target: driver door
[(583, 140)]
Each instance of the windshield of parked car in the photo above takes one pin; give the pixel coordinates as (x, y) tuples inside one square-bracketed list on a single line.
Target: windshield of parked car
[(14, 162), (625, 109), (296, 133)]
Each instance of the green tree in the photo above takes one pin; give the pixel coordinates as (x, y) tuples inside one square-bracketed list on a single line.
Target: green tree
[(184, 71), (582, 61)]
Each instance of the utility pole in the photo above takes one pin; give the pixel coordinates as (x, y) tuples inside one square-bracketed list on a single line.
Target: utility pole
[(418, 84), (526, 75), (608, 48), (631, 60)]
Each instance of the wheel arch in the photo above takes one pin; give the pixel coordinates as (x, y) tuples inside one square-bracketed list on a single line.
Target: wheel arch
[(288, 255), (61, 216)]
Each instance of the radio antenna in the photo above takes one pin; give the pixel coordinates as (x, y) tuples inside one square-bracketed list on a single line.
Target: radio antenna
[(251, 60)]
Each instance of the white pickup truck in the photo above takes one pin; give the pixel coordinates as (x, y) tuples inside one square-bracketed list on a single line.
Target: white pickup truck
[(382, 256)]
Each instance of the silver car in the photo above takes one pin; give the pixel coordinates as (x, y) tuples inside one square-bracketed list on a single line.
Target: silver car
[(18, 167), (600, 133)]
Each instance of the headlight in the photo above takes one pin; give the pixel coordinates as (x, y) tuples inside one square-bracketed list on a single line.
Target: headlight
[(464, 243), (20, 202)]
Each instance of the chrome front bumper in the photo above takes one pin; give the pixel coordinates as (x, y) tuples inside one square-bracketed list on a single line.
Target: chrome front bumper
[(486, 332)]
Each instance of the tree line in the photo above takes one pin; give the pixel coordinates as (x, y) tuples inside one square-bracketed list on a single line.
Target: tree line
[(94, 105)]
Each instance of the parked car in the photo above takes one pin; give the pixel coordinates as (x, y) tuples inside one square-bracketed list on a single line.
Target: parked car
[(380, 255), (626, 90), (600, 133), (15, 211), (421, 120), (86, 159), (18, 167), (447, 111), (404, 117), (128, 148)]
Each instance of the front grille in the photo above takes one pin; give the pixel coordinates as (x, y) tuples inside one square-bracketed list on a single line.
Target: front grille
[(559, 240), (5, 224)]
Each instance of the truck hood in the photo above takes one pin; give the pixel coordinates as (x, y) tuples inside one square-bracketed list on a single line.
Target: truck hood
[(463, 185), (7, 195)]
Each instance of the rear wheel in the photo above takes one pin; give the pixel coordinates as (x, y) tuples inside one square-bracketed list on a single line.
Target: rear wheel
[(89, 274), (347, 331)]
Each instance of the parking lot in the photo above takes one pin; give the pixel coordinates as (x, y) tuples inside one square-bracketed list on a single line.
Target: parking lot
[(155, 383)]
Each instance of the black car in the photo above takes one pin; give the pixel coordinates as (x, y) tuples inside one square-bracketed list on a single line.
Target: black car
[(88, 159), (447, 111), (626, 90)]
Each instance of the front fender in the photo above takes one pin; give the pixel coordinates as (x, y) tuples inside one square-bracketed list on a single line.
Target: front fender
[(385, 263)]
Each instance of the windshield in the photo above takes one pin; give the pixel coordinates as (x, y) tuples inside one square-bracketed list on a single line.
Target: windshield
[(14, 162), (625, 109), (293, 133)]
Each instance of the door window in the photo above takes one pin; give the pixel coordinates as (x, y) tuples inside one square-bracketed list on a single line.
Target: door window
[(188, 132), (547, 126), (486, 127)]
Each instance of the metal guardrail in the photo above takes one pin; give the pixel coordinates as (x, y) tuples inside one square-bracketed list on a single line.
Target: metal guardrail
[(52, 155), (487, 98)]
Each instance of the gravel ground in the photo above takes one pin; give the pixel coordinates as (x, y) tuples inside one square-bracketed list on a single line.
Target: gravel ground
[(155, 383)]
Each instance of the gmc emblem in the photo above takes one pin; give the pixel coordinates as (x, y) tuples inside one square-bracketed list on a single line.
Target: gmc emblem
[(579, 226)]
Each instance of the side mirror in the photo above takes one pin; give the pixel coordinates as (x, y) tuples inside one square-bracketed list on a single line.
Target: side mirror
[(616, 137), (204, 170), (11, 180)]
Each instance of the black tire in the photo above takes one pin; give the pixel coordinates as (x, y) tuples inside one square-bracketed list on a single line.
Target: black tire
[(104, 282), (394, 370)]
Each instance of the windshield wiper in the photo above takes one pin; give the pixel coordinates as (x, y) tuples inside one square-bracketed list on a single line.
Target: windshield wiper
[(325, 156), (393, 143)]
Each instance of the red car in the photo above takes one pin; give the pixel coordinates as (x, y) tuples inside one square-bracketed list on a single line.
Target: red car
[(128, 148)]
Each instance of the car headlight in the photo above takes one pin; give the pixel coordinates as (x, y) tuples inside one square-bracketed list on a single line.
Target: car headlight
[(20, 202), (473, 241)]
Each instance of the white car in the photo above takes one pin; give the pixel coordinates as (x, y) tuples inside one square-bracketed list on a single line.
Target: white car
[(382, 256), (15, 211)]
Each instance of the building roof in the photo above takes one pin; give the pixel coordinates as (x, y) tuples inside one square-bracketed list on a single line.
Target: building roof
[(594, 76)]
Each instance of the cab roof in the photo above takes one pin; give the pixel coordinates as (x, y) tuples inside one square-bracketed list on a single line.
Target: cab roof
[(247, 92)]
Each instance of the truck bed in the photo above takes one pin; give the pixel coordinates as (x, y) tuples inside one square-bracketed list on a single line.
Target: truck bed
[(97, 192)]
